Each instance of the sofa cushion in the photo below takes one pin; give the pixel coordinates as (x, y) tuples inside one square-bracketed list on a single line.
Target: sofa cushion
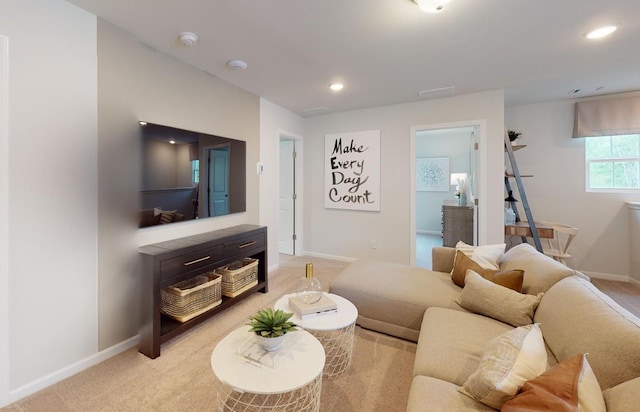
[(575, 317), (623, 397), (507, 363), (569, 386), (511, 279), (487, 256), (392, 297), (487, 298), (431, 394), (540, 271), (452, 342)]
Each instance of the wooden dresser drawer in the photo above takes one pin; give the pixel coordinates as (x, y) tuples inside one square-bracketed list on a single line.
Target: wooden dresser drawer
[(190, 261), (238, 247)]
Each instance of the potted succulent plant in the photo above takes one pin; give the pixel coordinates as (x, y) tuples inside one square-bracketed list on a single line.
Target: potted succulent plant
[(270, 327)]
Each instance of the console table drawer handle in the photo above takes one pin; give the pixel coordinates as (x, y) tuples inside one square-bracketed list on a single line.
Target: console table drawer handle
[(196, 261), (253, 242)]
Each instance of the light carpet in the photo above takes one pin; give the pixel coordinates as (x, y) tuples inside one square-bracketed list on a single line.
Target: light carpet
[(181, 378)]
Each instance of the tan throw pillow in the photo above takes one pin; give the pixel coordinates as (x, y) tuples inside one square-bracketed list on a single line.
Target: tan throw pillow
[(487, 256), (569, 386), (167, 216), (511, 279), (540, 271), (507, 363), (486, 298)]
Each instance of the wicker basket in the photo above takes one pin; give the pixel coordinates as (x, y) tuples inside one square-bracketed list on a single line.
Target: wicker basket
[(187, 299), (239, 276)]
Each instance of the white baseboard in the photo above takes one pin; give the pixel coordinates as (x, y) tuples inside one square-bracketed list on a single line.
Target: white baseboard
[(72, 369), (334, 257), (609, 276)]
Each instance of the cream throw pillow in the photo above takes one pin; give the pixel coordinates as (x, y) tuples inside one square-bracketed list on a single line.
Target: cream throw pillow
[(487, 256), (507, 363), (482, 296)]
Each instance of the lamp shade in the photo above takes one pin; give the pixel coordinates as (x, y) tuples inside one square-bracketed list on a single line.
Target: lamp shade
[(458, 178)]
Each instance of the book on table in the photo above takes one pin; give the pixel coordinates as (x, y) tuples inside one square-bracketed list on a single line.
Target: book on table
[(305, 310)]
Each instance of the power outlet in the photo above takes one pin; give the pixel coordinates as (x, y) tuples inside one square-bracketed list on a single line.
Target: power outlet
[(373, 244)]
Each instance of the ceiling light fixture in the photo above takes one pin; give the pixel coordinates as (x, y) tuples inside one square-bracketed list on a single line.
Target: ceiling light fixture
[(237, 64), (601, 32), (336, 87), (431, 6), (188, 39), (172, 141)]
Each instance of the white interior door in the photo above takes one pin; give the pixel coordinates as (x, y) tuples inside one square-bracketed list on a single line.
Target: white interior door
[(218, 190), (286, 204)]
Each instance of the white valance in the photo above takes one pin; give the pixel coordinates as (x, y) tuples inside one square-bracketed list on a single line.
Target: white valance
[(607, 117)]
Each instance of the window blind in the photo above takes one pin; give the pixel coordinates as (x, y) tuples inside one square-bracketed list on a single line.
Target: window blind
[(607, 117)]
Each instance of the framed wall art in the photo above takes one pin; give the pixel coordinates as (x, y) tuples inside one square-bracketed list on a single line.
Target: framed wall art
[(432, 174)]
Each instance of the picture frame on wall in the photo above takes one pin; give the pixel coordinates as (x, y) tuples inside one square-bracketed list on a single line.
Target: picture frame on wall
[(432, 174)]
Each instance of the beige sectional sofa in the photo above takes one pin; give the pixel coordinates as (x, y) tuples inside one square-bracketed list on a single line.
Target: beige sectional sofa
[(453, 343)]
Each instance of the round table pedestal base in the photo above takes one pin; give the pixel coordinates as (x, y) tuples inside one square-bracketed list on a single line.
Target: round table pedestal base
[(305, 399), (338, 348)]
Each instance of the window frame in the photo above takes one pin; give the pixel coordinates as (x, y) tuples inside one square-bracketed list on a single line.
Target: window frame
[(613, 160)]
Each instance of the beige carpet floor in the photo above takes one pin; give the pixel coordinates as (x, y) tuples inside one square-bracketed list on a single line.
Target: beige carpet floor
[(181, 378)]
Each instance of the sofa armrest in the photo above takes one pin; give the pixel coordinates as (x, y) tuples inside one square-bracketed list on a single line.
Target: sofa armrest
[(442, 258)]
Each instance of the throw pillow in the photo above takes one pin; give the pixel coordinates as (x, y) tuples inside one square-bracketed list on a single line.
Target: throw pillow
[(540, 271), (498, 302), (511, 279), (507, 363), (569, 386), (487, 256)]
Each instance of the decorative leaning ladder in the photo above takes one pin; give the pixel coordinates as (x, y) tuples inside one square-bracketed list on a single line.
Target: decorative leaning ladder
[(523, 194)]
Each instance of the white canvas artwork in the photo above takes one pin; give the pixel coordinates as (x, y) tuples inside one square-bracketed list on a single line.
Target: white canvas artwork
[(352, 170), (432, 174)]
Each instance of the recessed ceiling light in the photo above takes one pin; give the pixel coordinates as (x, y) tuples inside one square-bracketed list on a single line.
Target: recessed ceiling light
[(336, 87), (431, 6), (601, 32), (172, 141)]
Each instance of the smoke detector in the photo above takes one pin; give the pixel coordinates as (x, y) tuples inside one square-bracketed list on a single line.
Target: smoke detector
[(237, 64), (188, 39)]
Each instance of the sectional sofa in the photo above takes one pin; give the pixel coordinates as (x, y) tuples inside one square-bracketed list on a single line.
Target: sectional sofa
[(545, 337)]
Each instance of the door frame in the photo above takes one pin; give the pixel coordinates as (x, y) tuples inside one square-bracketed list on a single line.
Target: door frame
[(480, 191), (4, 222), (299, 189)]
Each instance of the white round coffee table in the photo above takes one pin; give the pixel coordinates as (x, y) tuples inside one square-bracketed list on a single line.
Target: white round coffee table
[(334, 330), (250, 379)]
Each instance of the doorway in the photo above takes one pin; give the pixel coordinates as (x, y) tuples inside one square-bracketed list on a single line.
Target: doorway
[(287, 197), (218, 180), (454, 147)]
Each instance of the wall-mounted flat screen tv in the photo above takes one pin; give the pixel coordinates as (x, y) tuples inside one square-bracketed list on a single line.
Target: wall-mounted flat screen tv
[(189, 175)]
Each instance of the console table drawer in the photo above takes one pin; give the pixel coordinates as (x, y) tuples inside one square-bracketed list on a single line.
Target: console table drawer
[(190, 261), (238, 247)]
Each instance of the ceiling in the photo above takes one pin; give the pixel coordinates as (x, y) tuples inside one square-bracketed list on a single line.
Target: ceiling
[(386, 51)]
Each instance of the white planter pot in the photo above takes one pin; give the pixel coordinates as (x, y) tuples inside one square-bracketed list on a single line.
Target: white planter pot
[(270, 344)]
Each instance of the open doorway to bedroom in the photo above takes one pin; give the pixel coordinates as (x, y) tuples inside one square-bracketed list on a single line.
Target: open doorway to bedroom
[(446, 186)]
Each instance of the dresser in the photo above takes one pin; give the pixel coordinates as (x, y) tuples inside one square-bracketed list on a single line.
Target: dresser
[(167, 263), (457, 223)]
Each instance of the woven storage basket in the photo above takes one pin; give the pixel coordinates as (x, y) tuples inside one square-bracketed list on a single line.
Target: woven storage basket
[(187, 299), (238, 276)]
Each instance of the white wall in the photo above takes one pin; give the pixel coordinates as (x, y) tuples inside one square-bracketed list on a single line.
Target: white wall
[(344, 233), (274, 122), (557, 190), (52, 188), (176, 95)]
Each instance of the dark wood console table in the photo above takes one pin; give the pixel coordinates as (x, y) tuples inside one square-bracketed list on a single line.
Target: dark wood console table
[(166, 263)]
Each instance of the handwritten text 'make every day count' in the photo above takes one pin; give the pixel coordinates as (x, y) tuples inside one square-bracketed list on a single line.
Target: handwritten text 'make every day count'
[(338, 177)]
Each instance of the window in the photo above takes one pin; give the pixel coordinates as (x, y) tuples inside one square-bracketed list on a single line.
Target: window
[(613, 163), (195, 171)]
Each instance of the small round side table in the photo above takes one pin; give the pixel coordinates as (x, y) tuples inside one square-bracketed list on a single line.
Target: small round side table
[(289, 379), (334, 330)]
